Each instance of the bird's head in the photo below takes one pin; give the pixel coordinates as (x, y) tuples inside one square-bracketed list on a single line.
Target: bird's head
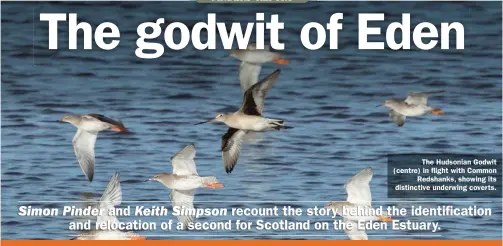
[(160, 177), (221, 117), (336, 206), (388, 103)]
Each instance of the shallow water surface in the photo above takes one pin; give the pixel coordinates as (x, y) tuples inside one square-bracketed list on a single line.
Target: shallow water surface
[(329, 96)]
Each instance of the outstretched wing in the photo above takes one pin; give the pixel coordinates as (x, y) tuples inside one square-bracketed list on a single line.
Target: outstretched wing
[(253, 99), (248, 74), (358, 188), (183, 161), (419, 98), (112, 196), (231, 147), (396, 117), (83, 146), (108, 120), (185, 199)]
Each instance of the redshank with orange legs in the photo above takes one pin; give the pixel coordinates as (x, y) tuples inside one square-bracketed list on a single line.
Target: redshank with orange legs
[(88, 126), (184, 180), (413, 106), (252, 60)]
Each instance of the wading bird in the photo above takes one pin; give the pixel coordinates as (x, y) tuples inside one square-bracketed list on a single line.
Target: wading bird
[(252, 60), (184, 180), (88, 126), (414, 105), (112, 196), (248, 118), (359, 199)]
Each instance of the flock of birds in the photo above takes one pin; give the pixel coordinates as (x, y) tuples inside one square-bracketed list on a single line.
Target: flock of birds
[(184, 179)]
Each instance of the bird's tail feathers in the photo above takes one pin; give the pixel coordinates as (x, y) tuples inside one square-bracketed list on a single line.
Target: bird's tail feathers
[(278, 124)]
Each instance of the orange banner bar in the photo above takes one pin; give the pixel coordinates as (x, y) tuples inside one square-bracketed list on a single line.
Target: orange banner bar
[(259, 242)]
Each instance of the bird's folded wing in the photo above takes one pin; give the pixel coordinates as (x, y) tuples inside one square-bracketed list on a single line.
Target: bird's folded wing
[(358, 188), (354, 233), (231, 147), (396, 117), (83, 146), (185, 199), (112, 196), (183, 161)]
